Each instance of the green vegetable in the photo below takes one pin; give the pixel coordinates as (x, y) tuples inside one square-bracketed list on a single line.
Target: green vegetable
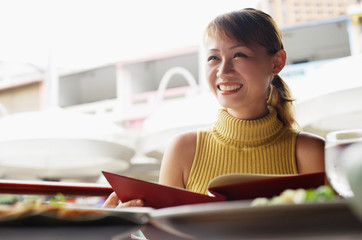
[(320, 194), (9, 198), (325, 193), (58, 200)]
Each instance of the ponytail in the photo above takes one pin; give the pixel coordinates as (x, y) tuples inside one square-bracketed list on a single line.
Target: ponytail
[(280, 97)]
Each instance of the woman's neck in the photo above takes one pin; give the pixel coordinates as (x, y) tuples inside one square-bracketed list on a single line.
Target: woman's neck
[(248, 113)]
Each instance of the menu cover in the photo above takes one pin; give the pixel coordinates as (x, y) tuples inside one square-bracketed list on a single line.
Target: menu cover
[(230, 187)]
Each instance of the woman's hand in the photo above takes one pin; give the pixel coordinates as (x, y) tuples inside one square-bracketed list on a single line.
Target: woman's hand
[(113, 201)]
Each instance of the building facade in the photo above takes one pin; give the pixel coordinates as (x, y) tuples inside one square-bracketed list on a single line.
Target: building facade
[(290, 12)]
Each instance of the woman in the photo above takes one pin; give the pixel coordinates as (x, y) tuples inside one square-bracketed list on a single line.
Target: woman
[(255, 131)]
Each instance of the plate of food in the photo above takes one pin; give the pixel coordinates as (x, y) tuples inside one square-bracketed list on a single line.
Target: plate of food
[(36, 211), (276, 216)]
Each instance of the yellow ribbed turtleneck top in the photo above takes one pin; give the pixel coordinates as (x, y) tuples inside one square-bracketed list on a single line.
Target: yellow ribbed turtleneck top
[(262, 146)]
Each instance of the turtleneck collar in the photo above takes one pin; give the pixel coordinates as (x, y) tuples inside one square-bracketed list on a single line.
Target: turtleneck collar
[(237, 132)]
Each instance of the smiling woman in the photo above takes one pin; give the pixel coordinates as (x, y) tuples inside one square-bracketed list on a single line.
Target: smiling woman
[(254, 131)]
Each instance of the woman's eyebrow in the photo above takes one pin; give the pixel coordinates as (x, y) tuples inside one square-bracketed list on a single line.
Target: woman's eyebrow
[(230, 48), (213, 50), (238, 45)]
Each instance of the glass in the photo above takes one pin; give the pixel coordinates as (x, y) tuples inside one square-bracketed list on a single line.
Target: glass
[(353, 169), (336, 143)]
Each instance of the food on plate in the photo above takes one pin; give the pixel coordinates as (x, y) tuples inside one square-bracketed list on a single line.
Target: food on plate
[(55, 206), (320, 194), (9, 198)]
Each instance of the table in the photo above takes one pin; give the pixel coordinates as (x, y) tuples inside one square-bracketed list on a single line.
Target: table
[(232, 220)]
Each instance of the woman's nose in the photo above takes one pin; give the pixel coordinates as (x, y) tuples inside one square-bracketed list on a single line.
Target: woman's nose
[(225, 68)]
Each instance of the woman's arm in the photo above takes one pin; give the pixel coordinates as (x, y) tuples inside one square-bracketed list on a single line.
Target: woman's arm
[(310, 153), (177, 160), (175, 168)]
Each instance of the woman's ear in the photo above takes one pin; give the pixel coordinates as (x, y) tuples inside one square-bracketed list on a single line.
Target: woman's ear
[(279, 61)]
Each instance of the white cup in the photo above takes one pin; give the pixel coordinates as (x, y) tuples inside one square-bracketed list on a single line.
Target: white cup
[(336, 143), (352, 157)]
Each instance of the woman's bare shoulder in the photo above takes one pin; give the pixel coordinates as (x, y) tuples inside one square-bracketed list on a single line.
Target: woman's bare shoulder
[(183, 148), (185, 139), (310, 140), (178, 158), (310, 152)]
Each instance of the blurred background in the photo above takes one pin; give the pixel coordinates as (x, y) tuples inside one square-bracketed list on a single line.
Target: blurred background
[(92, 85)]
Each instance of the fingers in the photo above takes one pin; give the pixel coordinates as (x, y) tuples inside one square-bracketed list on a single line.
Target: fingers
[(111, 201), (131, 203)]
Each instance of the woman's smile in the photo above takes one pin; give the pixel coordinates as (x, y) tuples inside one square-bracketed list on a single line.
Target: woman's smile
[(227, 88)]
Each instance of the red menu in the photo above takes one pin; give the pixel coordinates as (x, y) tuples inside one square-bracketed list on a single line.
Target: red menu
[(160, 196)]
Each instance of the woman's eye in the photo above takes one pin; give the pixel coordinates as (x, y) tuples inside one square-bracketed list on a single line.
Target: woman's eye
[(239, 54), (210, 58)]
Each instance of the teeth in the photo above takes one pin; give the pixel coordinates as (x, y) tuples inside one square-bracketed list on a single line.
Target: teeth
[(229, 88)]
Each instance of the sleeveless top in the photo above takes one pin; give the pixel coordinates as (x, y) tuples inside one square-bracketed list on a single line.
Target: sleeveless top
[(262, 146)]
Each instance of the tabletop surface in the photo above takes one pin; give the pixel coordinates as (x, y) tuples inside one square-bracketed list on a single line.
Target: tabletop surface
[(210, 221)]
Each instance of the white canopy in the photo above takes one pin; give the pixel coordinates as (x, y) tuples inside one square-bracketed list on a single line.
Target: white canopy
[(82, 34)]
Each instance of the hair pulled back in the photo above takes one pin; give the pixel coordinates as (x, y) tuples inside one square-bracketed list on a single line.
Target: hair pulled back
[(251, 27)]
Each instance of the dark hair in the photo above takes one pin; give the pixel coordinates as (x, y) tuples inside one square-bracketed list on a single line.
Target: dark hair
[(252, 26)]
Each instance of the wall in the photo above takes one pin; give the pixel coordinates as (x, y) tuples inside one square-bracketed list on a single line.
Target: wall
[(21, 98)]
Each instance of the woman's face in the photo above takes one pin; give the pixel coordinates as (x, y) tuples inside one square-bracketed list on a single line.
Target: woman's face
[(239, 76)]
